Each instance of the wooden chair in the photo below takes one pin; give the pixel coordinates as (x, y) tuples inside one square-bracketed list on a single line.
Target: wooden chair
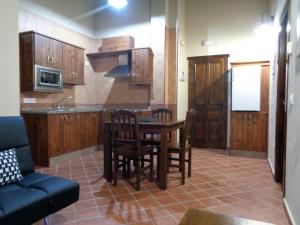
[(126, 143), (185, 146), (152, 139)]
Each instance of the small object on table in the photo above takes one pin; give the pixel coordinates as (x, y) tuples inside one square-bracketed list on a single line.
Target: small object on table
[(200, 217)]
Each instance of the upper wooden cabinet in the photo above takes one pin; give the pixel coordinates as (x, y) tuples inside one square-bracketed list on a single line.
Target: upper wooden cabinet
[(38, 49), (48, 52), (142, 66), (73, 64)]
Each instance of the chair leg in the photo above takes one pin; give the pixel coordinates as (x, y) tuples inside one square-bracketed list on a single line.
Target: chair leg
[(142, 162), (46, 222), (138, 171), (124, 166), (190, 163), (116, 162), (151, 166), (128, 175), (182, 161)]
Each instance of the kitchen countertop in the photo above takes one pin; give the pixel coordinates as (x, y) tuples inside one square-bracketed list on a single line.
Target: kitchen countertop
[(78, 109)]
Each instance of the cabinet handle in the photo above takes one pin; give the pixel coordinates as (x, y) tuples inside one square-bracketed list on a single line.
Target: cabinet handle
[(65, 116), (52, 59), (245, 116), (78, 116), (250, 117), (48, 58), (62, 117)]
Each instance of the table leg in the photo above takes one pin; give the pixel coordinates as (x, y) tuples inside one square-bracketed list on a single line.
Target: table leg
[(107, 157), (163, 159)]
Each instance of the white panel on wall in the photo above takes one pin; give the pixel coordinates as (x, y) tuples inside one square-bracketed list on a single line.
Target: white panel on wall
[(246, 88)]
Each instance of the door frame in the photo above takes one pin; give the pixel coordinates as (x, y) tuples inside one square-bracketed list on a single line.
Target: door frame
[(281, 106)]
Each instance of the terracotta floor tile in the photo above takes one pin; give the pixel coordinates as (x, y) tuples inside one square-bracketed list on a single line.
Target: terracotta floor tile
[(157, 212), (230, 185)]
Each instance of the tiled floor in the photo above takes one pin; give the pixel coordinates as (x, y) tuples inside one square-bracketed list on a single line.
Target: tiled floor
[(230, 185)]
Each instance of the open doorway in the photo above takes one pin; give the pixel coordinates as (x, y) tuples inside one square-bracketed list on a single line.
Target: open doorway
[(281, 110)]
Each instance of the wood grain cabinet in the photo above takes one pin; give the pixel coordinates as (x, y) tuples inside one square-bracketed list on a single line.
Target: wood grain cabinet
[(38, 49), (56, 134), (142, 66), (249, 131), (73, 64)]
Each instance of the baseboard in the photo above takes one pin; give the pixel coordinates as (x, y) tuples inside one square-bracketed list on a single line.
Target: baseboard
[(288, 212), (271, 166)]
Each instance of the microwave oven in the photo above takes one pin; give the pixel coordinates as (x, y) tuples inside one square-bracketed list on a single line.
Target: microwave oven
[(48, 79)]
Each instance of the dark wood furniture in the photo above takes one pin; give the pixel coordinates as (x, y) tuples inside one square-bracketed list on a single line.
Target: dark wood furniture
[(39, 49), (185, 146), (201, 217), (249, 130), (60, 133), (161, 127), (126, 143), (73, 64), (208, 96), (140, 61)]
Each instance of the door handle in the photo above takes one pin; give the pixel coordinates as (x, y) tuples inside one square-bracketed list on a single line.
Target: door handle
[(48, 58)]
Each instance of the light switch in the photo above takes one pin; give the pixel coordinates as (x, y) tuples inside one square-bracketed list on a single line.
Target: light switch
[(291, 99), (182, 76)]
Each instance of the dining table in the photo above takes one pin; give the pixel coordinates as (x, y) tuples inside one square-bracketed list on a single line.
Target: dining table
[(146, 125)]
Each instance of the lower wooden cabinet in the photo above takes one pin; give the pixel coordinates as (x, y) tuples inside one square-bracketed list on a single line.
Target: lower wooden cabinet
[(249, 131), (56, 134)]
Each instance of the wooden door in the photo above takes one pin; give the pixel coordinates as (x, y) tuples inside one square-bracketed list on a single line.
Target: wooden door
[(208, 96), (42, 55), (56, 54), (68, 59)]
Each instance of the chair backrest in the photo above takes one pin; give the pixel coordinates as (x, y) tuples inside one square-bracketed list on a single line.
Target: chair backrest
[(13, 134), (125, 129), (162, 114), (188, 132)]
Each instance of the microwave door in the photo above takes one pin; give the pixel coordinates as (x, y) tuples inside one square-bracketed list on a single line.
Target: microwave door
[(47, 78)]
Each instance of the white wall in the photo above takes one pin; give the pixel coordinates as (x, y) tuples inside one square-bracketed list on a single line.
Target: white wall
[(292, 195), (9, 59)]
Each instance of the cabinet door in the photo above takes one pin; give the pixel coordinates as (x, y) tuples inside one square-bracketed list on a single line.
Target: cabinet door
[(68, 58), (56, 53), (257, 131), (42, 55), (68, 138), (79, 65), (141, 66), (75, 131), (93, 128), (84, 126), (238, 138), (55, 135)]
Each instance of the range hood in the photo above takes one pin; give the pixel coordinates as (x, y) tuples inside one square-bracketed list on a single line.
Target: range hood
[(123, 69)]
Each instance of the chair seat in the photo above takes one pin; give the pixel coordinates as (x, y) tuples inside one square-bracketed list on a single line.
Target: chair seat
[(62, 192), (130, 150)]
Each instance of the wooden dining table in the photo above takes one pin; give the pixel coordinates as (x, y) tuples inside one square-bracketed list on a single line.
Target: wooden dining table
[(145, 126)]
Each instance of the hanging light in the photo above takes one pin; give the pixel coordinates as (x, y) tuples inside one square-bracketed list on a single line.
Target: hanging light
[(118, 3)]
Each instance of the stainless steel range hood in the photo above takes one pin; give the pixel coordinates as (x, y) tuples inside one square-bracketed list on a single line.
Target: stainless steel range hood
[(123, 69)]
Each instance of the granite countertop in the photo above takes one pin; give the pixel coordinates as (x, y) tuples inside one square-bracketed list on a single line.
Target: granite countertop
[(79, 109)]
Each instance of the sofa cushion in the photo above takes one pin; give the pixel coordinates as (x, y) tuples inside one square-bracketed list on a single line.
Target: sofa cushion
[(22, 205), (62, 192), (9, 167), (14, 135)]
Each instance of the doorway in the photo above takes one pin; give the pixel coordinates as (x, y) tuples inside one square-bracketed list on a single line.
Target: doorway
[(207, 92), (281, 108)]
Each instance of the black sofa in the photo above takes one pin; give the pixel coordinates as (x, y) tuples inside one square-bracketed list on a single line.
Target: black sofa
[(37, 195)]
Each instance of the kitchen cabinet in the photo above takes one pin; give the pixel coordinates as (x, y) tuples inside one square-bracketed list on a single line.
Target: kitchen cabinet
[(60, 133), (48, 52), (39, 49), (142, 66), (73, 64), (249, 131)]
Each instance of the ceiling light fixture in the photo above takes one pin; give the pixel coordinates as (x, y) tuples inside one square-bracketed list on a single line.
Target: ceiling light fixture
[(118, 3)]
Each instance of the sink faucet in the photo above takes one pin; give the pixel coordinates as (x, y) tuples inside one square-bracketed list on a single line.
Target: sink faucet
[(60, 103)]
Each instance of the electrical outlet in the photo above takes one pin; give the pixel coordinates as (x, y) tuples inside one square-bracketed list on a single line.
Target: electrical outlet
[(29, 100)]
